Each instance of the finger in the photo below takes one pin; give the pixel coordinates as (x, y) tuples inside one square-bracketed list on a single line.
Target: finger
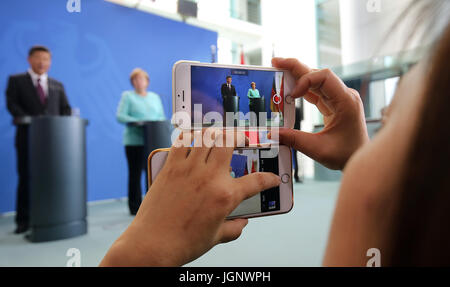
[(323, 83), (306, 143), (181, 146), (315, 99), (312, 98), (226, 142), (296, 68), (231, 230), (202, 146), (249, 185)]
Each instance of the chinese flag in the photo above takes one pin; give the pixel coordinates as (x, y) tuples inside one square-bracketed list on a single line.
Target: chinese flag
[(253, 137), (273, 106), (280, 105), (242, 56), (276, 103), (254, 166)]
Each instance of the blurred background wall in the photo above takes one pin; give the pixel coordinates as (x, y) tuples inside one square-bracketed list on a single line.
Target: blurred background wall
[(93, 53)]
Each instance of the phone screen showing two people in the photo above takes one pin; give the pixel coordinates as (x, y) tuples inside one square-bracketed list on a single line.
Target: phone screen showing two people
[(230, 97), (249, 161)]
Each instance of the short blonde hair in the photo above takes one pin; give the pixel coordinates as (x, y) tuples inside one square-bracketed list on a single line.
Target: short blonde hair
[(136, 72), (252, 83)]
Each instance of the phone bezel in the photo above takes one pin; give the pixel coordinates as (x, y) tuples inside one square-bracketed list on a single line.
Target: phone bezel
[(284, 168), (181, 92)]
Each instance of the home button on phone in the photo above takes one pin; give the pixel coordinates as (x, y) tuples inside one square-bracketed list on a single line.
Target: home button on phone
[(285, 178)]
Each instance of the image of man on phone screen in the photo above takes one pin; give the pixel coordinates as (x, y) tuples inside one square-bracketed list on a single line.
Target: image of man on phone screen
[(230, 99)]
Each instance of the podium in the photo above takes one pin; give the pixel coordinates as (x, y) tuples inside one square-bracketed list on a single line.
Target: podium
[(257, 105), (230, 104), (57, 165), (157, 135)]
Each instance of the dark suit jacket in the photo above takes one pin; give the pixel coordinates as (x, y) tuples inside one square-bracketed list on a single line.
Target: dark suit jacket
[(23, 100), (227, 92), (298, 114)]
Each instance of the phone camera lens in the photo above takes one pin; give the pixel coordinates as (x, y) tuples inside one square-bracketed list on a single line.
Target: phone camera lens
[(183, 107)]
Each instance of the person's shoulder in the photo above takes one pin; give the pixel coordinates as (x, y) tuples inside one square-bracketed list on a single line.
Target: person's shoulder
[(18, 76), (54, 82), (153, 94), (127, 94)]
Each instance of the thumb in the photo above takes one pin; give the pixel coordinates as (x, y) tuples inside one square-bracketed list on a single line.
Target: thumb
[(252, 184), (306, 143), (231, 229)]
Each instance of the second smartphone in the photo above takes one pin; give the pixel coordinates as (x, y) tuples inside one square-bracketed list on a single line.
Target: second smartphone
[(245, 161)]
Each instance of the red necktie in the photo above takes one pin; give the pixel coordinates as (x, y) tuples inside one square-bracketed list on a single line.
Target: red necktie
[(40, 92)]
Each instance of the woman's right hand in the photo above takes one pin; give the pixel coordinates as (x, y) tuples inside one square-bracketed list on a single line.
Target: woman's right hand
[(343, 113), (184, 212)]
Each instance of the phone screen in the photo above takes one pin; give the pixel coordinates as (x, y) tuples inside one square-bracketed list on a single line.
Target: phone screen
[(225, 96), (250, 161), (243, 162)]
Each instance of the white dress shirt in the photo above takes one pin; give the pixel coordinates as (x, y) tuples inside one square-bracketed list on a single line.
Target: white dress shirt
[(43, 82)]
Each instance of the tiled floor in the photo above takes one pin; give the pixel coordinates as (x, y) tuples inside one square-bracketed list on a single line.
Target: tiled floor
[(294, 239)]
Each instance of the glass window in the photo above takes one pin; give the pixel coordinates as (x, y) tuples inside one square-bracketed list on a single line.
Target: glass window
[(246, 10), (328, 33)]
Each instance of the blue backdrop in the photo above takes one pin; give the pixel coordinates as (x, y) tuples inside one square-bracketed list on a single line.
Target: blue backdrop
[(93, 53), (206, 83)]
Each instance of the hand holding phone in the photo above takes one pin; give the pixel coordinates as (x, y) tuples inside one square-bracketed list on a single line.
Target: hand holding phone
[(244, 162), (345, 127), (183, 214)]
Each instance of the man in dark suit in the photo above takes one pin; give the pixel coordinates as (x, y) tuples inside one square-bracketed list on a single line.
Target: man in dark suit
[(229, 104), (297, 126), (228, 89), (32, 94)]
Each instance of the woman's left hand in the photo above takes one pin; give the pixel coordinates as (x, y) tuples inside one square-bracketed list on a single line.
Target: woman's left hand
[(183, 214)]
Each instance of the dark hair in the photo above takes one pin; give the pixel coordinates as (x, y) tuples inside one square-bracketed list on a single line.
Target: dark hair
[(228, 77), (38, 49), (421, 228)]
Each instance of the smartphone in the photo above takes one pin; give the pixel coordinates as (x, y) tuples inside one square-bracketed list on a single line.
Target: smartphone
[(277, 200), (231, 96)]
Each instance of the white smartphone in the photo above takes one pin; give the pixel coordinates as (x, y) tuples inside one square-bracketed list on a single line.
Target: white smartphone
[(245, 161), (226, 95)]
